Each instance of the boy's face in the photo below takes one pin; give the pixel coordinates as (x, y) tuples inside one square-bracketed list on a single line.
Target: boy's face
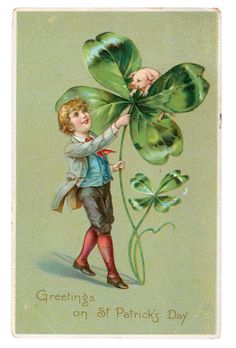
[(80, 120)]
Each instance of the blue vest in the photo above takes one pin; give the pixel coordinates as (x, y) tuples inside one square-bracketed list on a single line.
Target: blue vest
[(99, 172)]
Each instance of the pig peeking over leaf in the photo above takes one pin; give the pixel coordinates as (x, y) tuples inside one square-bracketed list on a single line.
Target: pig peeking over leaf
[(142, 80)]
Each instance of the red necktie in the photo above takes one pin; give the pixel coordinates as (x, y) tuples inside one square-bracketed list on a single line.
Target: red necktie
[(102, 152)]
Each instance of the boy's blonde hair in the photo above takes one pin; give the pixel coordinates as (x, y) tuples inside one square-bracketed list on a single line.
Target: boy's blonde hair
[(64, 123)]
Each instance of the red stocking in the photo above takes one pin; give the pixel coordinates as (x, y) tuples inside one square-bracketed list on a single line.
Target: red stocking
[(105, 246), (90, 240)]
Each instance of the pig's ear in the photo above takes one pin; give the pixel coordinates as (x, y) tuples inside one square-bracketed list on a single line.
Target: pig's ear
[(150, 75), (132, 74)]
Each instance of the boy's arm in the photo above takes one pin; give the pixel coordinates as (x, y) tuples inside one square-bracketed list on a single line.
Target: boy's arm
[(93, 146)]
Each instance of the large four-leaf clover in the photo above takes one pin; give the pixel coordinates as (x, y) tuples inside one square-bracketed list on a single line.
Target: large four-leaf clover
[(111, 58)]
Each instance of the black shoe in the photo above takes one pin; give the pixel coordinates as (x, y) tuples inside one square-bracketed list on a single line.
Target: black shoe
[(117, 282), (84, 269)]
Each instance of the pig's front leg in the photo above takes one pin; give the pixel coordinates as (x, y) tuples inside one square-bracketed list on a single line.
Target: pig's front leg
[(145, 92), (132, 92)]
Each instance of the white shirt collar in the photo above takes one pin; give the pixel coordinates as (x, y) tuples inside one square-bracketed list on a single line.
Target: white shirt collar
[(81, 139)]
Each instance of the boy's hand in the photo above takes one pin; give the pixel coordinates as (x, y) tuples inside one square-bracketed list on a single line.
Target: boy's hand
[(117, 166), (123, 121)]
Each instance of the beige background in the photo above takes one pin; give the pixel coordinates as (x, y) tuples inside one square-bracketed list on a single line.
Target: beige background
[(180, 264)]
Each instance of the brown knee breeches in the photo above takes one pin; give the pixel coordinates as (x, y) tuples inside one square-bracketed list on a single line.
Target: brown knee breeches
[(97, 202)]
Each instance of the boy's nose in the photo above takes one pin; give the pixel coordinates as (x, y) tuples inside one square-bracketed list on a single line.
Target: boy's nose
[(84, 119)]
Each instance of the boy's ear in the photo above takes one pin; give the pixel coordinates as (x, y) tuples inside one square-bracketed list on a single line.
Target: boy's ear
[(70, 127)]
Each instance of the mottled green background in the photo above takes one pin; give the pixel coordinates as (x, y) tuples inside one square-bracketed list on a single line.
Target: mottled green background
[(180, 264)]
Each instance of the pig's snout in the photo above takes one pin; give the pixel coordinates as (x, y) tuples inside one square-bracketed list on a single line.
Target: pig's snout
[(131, 85)]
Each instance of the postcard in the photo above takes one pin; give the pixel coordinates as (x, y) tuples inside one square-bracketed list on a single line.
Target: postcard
[(116, 209)]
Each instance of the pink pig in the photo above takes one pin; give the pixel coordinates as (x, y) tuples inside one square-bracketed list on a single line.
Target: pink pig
[(143, 79)]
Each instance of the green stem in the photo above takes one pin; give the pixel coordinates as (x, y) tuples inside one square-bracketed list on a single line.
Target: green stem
[(144, 215), (158, 229), (134, 241), (138, 244), (131, 257), (140, 277), (123, 195), (121, 178)]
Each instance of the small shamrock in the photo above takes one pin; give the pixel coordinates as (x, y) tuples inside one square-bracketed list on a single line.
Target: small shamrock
[(161, 202)]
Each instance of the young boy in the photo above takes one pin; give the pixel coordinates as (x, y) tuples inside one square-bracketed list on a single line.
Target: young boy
[(88, 183)]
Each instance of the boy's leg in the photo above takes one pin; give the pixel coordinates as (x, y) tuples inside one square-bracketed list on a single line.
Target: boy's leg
[(90, 240), (81, 262), (105, 245), (98, 206), (105, 242), (94, 205), (85, 196)]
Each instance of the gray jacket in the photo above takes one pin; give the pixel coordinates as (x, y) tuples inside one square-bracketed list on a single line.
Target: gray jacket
[(76, 153)]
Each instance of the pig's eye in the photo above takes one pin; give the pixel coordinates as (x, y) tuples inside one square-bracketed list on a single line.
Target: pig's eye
[(138, 80)]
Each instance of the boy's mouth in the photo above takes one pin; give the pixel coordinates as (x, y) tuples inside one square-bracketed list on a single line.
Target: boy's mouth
[(85, 121)]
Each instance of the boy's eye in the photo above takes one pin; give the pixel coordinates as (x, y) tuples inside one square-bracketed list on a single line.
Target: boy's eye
[(76, 114)]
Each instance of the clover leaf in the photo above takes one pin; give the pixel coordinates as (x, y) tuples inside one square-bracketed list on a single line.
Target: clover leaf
[(161, 203), (103, 106), (111, 58), (179, 90)]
